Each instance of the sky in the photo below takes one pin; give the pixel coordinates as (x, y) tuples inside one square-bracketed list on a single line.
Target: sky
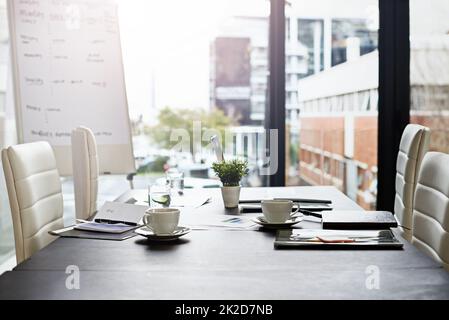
[(165, 47), (165, 43)]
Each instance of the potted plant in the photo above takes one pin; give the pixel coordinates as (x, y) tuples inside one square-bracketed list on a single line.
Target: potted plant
[(230, 173)]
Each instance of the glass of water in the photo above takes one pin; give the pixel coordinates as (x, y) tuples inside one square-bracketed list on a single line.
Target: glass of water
[(159, 196), (175, 182)]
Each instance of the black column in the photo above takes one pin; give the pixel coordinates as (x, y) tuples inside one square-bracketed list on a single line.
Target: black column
[(394, 93), (275, 112)]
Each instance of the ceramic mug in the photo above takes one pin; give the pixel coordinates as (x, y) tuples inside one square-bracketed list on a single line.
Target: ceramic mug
[(278, 211), (161, 220)]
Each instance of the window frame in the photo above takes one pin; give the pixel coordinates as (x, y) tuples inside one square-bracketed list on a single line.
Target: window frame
[(394, 91), (394, 94)]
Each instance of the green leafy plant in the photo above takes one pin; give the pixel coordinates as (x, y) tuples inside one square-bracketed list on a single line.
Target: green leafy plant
[(155, 166), (172, 118), (230, 172)]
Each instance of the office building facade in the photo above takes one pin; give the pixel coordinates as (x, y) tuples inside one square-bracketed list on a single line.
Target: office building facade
[(243, 45)]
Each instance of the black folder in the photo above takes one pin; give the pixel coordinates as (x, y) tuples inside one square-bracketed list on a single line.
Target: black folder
[(358, 220)]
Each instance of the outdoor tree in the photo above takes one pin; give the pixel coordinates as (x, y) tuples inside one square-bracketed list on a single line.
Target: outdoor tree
[(181, 123)]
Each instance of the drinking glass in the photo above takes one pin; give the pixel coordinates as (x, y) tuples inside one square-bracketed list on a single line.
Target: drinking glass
[(159, 196), (175, 182)]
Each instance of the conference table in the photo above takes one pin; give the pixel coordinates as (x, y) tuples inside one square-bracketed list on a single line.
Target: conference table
[(224, 264)]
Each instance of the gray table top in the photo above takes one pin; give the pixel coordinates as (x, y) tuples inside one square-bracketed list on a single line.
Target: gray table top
[(223, 264)]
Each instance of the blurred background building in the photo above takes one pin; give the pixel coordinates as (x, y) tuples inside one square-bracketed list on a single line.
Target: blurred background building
[(316, 44), (239, 55)]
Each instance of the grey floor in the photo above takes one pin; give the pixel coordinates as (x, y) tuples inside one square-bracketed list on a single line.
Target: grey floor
[(110, 187)]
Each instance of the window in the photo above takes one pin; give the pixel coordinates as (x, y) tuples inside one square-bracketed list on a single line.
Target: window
[(429, 69), (334, 139), (310, 35), (185, 62), (3, 54), (7, 136), (351, 38)]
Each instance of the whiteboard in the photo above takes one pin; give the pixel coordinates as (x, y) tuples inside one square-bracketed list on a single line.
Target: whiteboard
[(68, 71)]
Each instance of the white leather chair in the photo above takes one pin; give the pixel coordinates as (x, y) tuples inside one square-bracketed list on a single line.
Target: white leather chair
[(431, 208), (35, 195), (85, 172), (413, 147)]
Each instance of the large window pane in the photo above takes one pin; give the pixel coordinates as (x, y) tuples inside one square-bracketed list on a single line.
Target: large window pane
[(331, 98), (189, 61), (7, 136), (198, 67), (429, 69)]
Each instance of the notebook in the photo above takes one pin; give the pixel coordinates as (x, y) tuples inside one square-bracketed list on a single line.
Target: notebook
[(70, 232), (358, 220), (336, 239), (104, 227)]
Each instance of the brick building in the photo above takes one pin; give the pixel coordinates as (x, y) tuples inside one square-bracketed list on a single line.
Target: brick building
[(338, 118)]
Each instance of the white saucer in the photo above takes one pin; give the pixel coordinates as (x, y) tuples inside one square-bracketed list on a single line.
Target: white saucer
[(260, 220), (148, 233)]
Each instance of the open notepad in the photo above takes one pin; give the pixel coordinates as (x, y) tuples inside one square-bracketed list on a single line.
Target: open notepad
[(114, 221), (104, 227), (337, 239)]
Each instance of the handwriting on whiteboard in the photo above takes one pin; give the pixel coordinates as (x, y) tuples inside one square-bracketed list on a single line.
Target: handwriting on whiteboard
[(70, 70)]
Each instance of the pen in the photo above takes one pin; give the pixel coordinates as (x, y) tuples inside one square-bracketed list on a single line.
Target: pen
[(316, 201), (114, 222), (309, 213)]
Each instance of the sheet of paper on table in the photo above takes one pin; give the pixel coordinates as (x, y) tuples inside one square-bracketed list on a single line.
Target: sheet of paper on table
[(188, 201), (177, 201), (224, 222)]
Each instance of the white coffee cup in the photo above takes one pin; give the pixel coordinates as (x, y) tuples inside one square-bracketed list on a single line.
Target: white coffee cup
[(278, 211), (161, 220)]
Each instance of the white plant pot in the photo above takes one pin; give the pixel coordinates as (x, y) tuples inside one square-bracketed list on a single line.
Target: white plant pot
[(231, 196)]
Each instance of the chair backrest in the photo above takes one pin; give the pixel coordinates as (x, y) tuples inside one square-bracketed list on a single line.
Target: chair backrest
[(35, 195), (414, 145), (431, 208), (85, 172)]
